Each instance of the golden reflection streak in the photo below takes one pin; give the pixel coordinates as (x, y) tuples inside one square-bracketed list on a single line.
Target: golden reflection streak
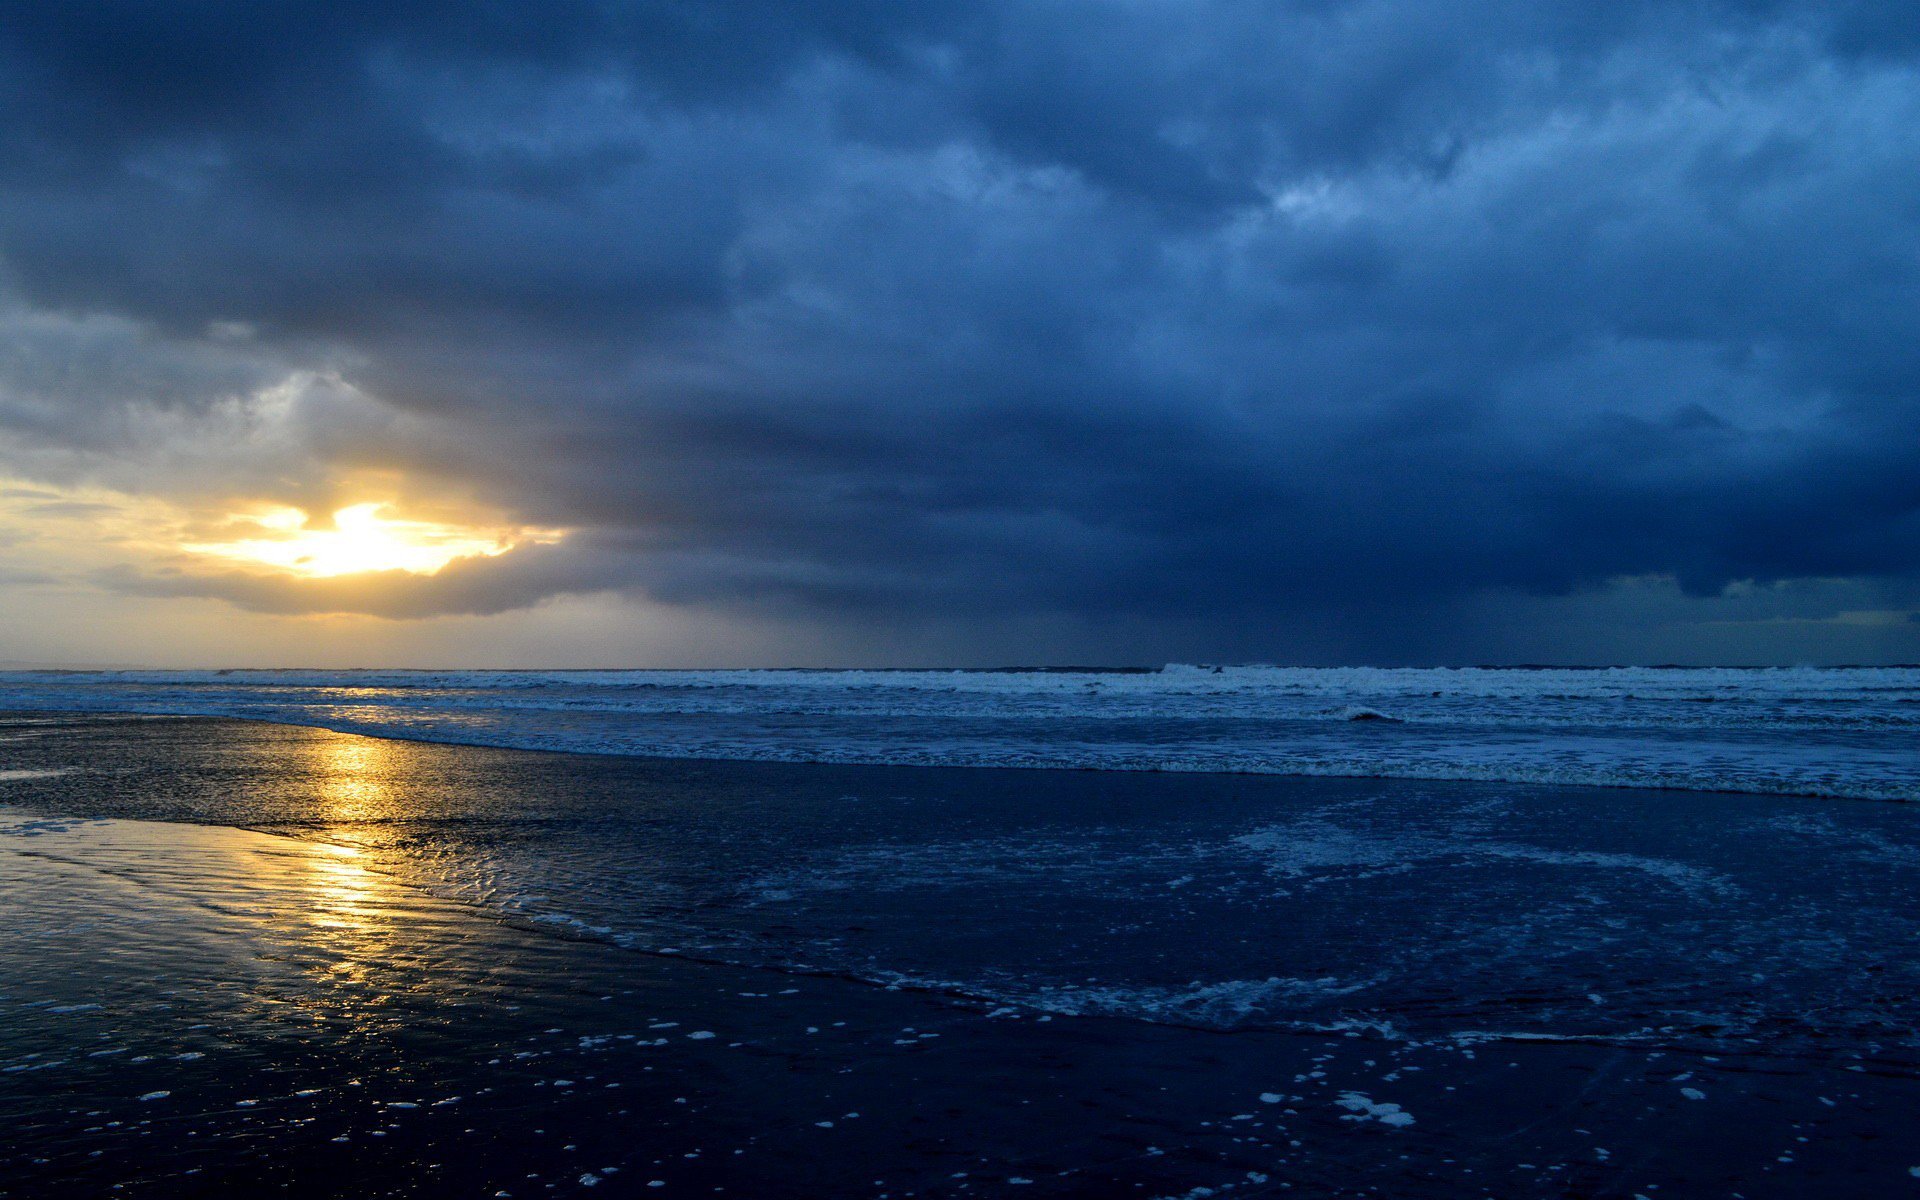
[(352, 903)]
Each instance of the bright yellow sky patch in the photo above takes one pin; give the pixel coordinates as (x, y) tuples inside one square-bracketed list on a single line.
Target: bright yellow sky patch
[(49, 532), (363, 538)]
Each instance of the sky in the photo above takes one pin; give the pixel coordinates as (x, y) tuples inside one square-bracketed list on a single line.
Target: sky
[(690, 333)]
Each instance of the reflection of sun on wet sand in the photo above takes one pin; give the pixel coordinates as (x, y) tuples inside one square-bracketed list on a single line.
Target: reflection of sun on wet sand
[(353, 789), (344, 890), (353, 777), (303, 1015), (280, 1015), (278, 914), (353, 906)]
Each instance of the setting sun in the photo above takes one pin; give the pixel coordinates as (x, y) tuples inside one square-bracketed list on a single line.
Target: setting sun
[(362, 539)]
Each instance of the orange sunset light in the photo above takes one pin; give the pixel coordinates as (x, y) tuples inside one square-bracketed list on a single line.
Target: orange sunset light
[(363, 538)]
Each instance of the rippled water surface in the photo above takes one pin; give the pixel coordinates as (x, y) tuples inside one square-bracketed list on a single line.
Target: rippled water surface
[(1416, 909), (1848, 732)]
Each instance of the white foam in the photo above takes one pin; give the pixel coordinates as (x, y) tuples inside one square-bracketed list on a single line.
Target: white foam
[(1361, 1107), (1313, 849), (1223, 1005), (1811, 731)]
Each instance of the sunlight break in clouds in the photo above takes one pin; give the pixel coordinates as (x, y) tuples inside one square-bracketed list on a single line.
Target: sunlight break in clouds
[(362, 538)]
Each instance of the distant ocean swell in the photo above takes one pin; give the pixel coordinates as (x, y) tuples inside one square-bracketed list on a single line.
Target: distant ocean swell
[(1837, 732)]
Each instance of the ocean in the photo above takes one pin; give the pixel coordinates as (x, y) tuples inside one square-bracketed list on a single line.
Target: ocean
[(1359, 892), (1837, 732)]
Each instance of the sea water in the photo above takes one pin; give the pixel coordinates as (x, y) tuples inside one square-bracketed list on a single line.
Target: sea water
[(1408, 908), (1837, 732)]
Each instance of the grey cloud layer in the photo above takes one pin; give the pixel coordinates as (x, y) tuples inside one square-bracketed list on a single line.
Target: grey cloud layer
[(1217, 310)]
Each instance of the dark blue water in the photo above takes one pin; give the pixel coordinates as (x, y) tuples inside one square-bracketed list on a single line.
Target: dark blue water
[(1836, 732), (1414, 910)]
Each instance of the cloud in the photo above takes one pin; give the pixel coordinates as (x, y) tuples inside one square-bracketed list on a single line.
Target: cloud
[(478, 586), (1231, 313)]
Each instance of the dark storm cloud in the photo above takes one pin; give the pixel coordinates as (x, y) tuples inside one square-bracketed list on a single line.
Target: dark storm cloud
[(1228, 310)]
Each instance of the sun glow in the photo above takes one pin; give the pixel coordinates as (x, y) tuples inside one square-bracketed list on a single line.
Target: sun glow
[(362, 539)]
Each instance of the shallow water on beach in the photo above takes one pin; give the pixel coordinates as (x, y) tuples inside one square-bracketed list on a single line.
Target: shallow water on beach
[(1412, 909), (414, 971), (192, 1011)]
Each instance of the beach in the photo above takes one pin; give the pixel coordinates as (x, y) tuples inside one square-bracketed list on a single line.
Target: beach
[(1181, 601), (311, 963)]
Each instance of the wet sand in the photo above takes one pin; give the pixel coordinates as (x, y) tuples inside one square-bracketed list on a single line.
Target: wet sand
[(194, 1010)]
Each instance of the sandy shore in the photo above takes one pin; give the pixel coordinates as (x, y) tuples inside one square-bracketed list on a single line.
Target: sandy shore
[(437, 970), (190, 1010)]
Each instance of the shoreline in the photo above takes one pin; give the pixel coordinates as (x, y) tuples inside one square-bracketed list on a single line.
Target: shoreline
[(954, 995), (361, 1080), (349, 729), (246, 940)]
